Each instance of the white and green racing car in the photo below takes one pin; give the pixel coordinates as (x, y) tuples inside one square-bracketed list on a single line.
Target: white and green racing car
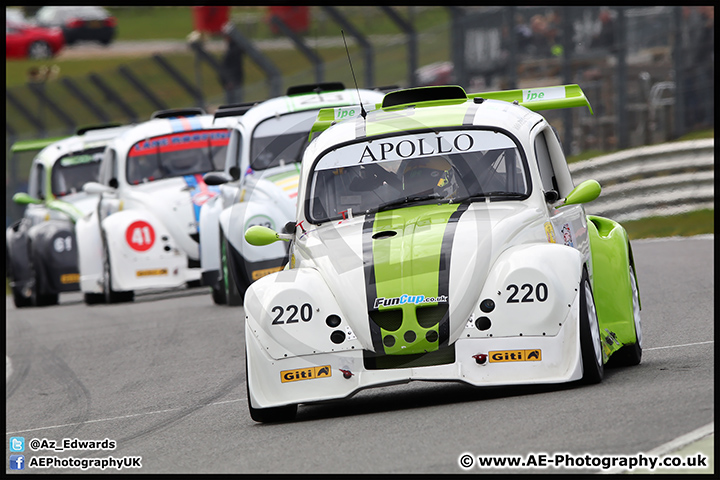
[(440, 237)]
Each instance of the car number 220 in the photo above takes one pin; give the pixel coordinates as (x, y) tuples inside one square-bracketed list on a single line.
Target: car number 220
[(292, 314), (540, 290)]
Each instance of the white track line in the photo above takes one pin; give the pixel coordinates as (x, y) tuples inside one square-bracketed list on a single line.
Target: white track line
[(677, 346), (241, 399), (672, 445), (120, 418)]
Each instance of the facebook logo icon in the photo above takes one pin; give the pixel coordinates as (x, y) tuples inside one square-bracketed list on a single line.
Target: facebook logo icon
[(17, 444), (17, 462)]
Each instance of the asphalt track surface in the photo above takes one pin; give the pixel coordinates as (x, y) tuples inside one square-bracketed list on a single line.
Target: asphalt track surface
[(164, 378)]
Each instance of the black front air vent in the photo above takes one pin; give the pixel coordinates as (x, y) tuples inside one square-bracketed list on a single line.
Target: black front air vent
[(423, 94), (195, 237), (389, 320), (443, 356), (430, 315)]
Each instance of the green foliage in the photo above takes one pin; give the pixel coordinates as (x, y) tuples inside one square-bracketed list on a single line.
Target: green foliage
[(683, 225)]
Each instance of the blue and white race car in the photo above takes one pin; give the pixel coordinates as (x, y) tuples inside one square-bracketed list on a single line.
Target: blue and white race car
[(144, 232), (259, 184)]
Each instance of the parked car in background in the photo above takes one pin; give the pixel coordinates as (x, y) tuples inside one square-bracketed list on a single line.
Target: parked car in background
[(41, 255), (24, 40), (89, 23)]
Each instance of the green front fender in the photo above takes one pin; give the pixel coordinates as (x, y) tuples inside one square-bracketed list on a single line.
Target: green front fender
[(611, 260)]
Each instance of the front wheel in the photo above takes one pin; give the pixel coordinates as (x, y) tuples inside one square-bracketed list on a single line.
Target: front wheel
[(37, 298), (39, 50), (631, 354), (113, 296), (234, 292), (590, 340), (286, 413)]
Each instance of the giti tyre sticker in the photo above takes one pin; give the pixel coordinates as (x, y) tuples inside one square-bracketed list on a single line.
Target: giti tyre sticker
[(140, 235), (500, 356)]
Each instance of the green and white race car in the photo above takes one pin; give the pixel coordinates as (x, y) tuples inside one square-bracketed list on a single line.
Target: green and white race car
[(41, 251), (440, 237)]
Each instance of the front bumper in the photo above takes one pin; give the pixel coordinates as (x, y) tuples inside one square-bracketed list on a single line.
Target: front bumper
[(305, 379)]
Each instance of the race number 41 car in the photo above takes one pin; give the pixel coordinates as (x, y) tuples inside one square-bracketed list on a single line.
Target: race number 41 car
[(440, 237), (144, 232)]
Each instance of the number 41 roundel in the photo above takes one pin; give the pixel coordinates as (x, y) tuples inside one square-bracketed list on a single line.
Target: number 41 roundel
[(140, 236)]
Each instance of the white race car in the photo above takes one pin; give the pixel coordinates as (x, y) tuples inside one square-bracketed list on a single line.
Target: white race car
[(259, 184), (144, 233), (40, 247), (440, 237)]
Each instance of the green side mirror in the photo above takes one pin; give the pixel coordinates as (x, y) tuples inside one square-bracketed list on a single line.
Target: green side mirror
[(258, 235), (586, 192), (23, 198)]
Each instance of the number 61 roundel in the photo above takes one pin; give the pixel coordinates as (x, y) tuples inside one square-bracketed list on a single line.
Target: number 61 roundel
[(140, 235)]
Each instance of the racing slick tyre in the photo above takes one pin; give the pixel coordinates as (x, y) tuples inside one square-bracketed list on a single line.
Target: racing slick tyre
[(113, 296), (218, 287), (20, 300), (630, 355), (39, 50), (93, 298), (231, 289), (38, 299), (590, 340), (285, 413)]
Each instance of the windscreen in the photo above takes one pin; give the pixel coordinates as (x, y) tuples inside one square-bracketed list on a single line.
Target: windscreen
[(177, 154), (395, 172), (74, 170), (280, 140)]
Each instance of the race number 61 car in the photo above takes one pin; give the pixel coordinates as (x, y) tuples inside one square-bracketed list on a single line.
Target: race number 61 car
[(144, 232), (259, 184), (440, 237), (40, 247)]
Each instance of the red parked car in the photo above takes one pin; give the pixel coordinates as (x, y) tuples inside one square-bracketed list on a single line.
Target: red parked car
[(23, 40)]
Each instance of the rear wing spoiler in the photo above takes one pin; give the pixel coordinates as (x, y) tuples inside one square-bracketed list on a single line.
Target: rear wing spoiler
[(36, 144), (540, 98), (330, 116)]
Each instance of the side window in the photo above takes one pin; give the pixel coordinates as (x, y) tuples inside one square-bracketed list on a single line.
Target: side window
[(108, 168), (544, 164), (34, 181), (41, 182), (232, 157)]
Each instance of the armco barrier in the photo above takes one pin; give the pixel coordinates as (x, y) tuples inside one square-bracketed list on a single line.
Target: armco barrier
[(657, 180)]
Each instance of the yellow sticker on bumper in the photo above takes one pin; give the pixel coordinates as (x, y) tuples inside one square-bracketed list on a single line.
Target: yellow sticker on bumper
[(261, 273), (305, 373), (498, 356), (157, 271), (70, 278)]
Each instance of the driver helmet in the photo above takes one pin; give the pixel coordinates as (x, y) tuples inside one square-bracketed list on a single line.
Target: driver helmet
[(434, 174)]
